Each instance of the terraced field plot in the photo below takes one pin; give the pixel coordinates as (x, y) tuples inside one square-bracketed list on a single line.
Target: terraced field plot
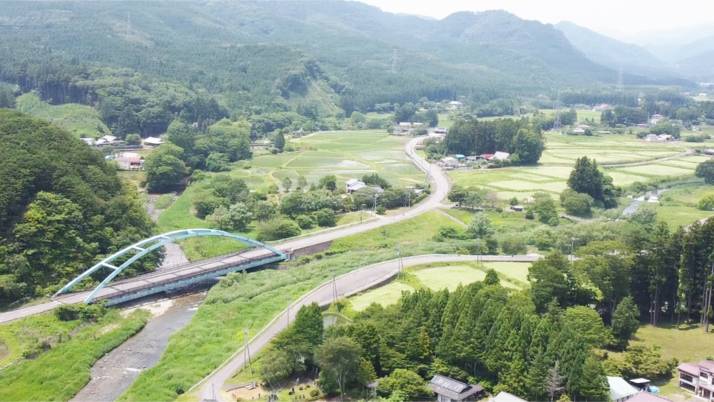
[(626, 158)]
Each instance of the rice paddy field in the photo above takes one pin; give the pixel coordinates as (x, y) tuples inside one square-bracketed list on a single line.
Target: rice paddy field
[(626, 158), (441, 276), (346, 154)]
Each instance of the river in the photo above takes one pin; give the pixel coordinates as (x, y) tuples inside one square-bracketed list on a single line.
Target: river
[(117, 370)]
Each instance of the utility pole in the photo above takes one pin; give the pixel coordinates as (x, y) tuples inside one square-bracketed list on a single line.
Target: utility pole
[(334, 289), (246, 350), (401, 262)]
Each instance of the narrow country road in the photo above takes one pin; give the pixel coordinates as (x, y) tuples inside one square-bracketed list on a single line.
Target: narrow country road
[(345, 285)]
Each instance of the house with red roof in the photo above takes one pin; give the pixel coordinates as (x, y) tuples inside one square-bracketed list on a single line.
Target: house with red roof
[(698, 378)]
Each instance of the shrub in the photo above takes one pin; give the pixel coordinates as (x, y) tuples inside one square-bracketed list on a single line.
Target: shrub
[(578, 204), (305, 221), (325, 217), (206, 206), (513, 245), (706, 203), (279, 228)]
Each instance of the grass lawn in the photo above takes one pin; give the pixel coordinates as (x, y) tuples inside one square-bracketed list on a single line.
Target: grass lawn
[(449, 276), (686, 345), (81, 120), (384, 295), (440, 276)]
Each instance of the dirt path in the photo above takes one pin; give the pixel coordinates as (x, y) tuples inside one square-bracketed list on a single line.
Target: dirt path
[(173, 254)]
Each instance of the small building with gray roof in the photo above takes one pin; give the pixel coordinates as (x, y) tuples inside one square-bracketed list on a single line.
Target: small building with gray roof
[(450, 390)]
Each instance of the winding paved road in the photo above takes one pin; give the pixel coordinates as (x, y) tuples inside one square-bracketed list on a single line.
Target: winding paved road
[(344, 285)]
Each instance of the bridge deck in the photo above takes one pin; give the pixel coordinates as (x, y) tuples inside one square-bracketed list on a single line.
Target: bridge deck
[(159, 281)]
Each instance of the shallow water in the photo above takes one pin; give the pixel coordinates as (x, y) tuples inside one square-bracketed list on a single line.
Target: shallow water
[(117, 370)]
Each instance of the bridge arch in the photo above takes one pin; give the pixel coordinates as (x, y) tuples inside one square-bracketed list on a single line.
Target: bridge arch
[(143, 247)]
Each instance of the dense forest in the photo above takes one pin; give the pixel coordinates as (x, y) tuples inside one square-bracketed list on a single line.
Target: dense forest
[(141, 62), (470, 136), (61, 206)]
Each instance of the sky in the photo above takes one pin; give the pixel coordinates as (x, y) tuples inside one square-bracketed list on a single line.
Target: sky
[(623, 19)]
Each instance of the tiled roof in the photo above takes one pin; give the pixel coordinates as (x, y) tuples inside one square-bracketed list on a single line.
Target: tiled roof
[(707, 364), (689, 368)]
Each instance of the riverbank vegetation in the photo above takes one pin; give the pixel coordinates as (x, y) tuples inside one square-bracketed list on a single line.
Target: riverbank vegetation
[(51, 354)]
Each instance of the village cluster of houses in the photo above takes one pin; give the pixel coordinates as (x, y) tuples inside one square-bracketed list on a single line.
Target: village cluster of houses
[(635, 390), (121, 153), (460, 161), (407, 128), (113, 141)]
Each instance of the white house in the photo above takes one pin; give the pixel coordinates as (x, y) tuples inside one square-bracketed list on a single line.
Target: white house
[(656, 118), (87, 140), (129, 161), (698, 378), (620, 390), (353, 185), (450, 390), (152, 141), (506, 397), (449, 162), (501, 156), (106, 140)]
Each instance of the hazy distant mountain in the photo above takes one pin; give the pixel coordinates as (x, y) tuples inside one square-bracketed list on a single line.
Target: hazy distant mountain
[(297, 51), (615, 54)]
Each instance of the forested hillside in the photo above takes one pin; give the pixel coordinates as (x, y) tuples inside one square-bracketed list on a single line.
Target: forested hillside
[(142, 62), (61, 205), (632, 59)]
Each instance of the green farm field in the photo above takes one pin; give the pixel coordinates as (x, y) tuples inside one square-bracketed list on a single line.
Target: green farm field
[(441, 276), (346, 154), (81, 120), (624, 157), (678, 206)]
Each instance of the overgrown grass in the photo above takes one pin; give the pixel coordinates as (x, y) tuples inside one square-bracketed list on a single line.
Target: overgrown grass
[(19, 336), (250, 302), (686, 345), (58, 374), (81, 120)]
